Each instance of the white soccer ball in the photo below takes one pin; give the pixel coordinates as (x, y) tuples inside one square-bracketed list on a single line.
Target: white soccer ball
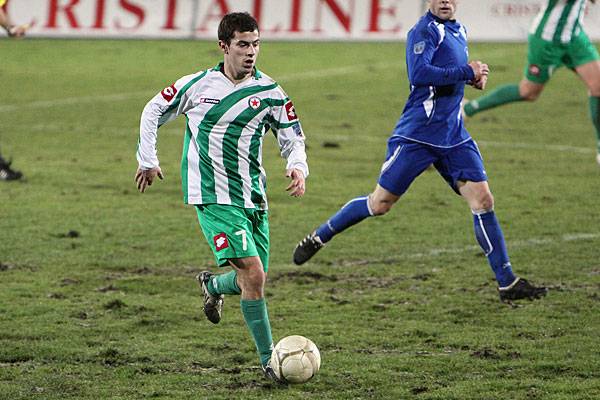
[(295, 359)]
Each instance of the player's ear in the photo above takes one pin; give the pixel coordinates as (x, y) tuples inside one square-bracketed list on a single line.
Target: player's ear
[(224, 47)]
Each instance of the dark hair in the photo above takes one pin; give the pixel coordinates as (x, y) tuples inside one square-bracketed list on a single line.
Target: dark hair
[(236, 22)]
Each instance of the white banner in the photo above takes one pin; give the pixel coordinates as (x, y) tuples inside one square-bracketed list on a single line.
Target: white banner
[(486, 20)]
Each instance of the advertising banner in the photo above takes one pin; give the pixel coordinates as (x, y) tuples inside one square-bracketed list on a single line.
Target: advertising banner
[(360, 20)]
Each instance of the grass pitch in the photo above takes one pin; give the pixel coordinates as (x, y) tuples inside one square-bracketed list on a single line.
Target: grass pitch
[(97, 291)]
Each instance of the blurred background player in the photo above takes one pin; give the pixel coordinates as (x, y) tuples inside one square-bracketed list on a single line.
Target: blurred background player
[(16, 31), (556, 38), (431, 131), (229, 109)]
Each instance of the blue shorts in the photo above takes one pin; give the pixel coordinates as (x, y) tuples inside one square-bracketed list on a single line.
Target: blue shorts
[(405, 160)]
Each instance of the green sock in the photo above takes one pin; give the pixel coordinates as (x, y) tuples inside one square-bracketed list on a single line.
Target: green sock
[(224, 284), (595, 113), (257, 319), (497, 97)]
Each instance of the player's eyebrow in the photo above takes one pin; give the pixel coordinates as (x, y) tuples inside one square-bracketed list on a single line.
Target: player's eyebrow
[(245, 42)]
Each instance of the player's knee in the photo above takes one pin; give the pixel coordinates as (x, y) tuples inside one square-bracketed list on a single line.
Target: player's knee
[(485, 202), (381, 207), (531, 95), (252, 280)]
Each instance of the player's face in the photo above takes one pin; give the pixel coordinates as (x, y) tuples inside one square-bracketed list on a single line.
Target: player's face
[(241, 53), (443, 9)]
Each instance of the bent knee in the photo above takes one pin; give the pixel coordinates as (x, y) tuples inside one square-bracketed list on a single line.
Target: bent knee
[(381, 207), (531, 96), (485, 202)]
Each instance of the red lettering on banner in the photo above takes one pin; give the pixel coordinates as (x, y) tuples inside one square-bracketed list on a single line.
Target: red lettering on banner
[(133, 9), (54, 9), (99, 20), (376, 11), (222, 5), (171, 12), (257, 11), (345, 19), (295, 17)]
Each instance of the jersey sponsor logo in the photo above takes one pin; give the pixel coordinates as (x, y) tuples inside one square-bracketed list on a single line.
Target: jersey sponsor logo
[(291, 111), (254, 102), (419, 48), (221, 241), (209, 100), (535, 70), (169, 92)]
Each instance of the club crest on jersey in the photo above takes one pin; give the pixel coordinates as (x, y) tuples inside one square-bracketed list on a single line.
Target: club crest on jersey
[(169, 92), (254, 102), (419, 48), (221, 241), (291, 111)]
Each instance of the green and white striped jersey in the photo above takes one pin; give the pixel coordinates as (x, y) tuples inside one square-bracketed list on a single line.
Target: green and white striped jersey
[(559, 21), (226, 123)]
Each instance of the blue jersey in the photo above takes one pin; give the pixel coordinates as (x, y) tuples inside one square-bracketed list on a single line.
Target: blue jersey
[(437, 65)]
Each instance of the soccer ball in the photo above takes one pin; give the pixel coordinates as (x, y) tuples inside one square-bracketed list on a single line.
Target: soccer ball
[(295, 359)]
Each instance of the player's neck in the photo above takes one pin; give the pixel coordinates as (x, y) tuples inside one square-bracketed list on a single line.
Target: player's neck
[(231, 74)]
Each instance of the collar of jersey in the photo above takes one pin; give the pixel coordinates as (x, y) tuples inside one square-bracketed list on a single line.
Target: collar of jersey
[(221, 68)]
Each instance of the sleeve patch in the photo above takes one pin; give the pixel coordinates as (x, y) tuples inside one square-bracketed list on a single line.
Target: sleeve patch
[(169, 92), (419, 47), (290, 111)]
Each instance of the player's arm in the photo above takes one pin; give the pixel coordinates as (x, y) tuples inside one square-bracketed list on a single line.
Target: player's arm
[(420, 49), (290, 138), (12, 30), (172, 101)]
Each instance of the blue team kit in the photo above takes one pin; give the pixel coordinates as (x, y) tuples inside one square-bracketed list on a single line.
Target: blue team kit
[(431, 129)]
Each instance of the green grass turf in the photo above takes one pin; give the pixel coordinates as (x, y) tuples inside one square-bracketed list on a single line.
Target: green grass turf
[(403, 306)]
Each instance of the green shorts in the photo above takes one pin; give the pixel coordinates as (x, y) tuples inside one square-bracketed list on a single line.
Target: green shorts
[(544, 57), (234, 232)]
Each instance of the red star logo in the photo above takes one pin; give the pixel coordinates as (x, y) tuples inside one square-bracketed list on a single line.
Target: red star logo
[(254, 102)]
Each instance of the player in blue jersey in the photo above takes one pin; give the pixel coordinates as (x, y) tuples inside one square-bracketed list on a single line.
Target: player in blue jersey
[(431, 131)]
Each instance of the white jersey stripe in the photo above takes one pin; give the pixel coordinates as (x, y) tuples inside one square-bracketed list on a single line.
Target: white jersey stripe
[(550, 27), (194, 177), (576, 12), (244, 150)]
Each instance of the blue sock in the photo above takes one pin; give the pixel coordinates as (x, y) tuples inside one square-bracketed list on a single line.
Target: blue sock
[(490, 238), (350, 214)]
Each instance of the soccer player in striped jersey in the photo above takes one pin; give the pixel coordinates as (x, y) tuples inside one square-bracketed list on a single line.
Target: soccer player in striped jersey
[(556, 38), (431, 131), (6, 172), (229, 109)]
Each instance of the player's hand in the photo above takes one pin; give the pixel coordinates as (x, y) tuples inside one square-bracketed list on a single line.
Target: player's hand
[(297, 186), (18, 30), (479, 69), (145, 177), (480, 84)]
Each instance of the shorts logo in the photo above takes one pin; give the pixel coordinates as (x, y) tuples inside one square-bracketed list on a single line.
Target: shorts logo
[(534, 70), (291, 111), (169, 92), (209, 100), (419, 48), (221, 241)]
